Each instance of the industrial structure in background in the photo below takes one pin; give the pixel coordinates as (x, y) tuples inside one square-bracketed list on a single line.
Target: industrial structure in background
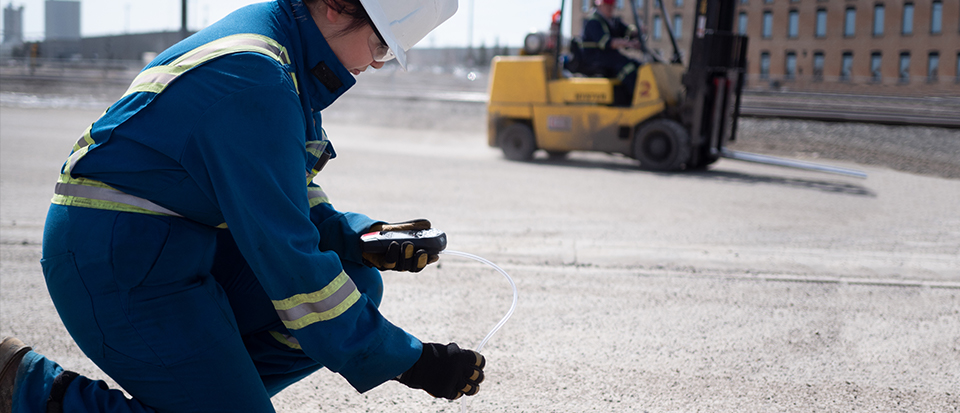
[(868, 47), (12, 29), (902, 47), (63, 40)]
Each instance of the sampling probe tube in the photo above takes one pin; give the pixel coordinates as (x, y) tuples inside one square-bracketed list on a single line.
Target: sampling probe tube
[(513, 305)]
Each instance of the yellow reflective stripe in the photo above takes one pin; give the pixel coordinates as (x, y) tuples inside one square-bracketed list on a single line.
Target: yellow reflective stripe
[(296, 85), (89, 193), (74, 157), (603, 41), (626, 71), (589, 45), (232, 44), (316, 196), (85, 140), (67, 192), (330, 302), (316, 148), (286, 340), (157, 78)]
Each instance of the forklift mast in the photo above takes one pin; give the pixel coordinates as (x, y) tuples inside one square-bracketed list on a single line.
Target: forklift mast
[(714, 80)]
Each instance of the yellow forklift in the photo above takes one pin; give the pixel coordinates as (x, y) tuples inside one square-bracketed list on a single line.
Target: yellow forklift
[(679, 118)]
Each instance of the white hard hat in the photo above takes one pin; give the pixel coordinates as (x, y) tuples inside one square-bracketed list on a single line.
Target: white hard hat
[(403, 23)]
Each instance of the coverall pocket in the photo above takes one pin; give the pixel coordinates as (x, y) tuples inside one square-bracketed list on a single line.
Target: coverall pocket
[(181, 320), (138, 240), (72, 300)]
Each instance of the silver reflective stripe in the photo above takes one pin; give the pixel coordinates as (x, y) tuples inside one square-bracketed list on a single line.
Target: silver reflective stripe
[(316, 196), (156, 78), (110, 195), (231, 42), (320, 307), (316, 148)]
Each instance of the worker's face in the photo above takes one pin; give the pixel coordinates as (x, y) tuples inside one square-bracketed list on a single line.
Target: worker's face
[(356, 49), (605, 9)]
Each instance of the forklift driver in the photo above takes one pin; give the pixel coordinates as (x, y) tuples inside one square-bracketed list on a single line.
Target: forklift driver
[(604, 35)]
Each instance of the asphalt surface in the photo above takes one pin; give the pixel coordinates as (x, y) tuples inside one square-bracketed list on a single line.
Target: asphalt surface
[(744, 288)]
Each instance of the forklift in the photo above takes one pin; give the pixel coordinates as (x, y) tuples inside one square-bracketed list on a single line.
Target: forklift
[(679, 118)]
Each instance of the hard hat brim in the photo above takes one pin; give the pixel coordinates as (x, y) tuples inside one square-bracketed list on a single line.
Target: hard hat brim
[(382, 24)]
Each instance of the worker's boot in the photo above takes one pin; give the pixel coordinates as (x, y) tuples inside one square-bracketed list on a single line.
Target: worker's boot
[(11, 353)]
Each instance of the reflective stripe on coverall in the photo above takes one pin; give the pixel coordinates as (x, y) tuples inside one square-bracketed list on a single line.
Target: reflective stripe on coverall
[(185, 316)]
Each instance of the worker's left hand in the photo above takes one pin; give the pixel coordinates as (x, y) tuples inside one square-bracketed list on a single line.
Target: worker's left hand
[(446, 371), (401, 256)]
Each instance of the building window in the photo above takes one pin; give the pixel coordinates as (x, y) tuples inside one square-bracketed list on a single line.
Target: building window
[(903, 75), (875, 73), (767, 24), (878, 13), (678, 3), (907, 26), (765, 65), (846, 66), (677, 26), (742, 23), (639, 4), (850, 22), (619, 4), (585, 6), (818, 66), (793, 24), (933, 66), (657, 28), (936, 18), (958, 68), (821, 30), (790, 68)]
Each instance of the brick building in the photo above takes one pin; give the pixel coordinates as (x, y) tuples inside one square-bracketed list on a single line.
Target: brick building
[(888, 47)]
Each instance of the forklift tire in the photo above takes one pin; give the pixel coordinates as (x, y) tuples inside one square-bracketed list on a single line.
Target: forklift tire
[(662, 145), (517, 142)]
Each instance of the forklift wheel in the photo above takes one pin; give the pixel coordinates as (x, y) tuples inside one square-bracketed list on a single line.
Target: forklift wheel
[(517, 142), (662, 145)]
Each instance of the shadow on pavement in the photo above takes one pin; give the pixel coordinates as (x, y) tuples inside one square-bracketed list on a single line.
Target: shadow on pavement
[(624, 164)]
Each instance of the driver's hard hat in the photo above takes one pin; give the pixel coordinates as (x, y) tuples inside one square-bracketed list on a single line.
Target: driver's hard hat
[(403, 23)]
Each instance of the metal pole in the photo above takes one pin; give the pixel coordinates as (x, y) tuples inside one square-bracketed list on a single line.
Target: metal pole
[(183, 17)]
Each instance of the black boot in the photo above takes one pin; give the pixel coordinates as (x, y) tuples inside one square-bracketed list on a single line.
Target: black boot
[(11, 353)]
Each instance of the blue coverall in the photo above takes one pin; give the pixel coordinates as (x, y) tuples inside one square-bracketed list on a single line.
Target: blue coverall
[(599, 55), (188, 316)]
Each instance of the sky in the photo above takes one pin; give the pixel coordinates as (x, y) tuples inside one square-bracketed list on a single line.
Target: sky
[(503, 22)]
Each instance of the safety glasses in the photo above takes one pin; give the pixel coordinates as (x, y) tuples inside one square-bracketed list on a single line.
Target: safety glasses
[(378, 47)]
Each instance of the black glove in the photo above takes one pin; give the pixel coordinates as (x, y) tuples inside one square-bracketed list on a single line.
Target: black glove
[(446, 371), (401, 256)]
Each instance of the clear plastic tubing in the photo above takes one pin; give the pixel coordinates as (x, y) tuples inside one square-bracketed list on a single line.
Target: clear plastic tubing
[(513, 305)]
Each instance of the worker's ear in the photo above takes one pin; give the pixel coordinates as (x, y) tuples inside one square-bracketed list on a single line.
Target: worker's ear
[(333, 16)]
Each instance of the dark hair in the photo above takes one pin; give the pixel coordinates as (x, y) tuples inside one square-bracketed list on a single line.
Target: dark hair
[(350, 8)]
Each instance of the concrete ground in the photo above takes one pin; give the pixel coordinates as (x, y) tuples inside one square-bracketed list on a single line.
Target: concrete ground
[(744, 288)]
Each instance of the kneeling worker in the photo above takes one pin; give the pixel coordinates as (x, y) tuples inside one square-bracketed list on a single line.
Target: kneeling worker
[(190, 254)]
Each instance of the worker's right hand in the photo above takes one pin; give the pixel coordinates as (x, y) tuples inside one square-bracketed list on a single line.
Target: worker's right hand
[(445, 371), (401, 256)]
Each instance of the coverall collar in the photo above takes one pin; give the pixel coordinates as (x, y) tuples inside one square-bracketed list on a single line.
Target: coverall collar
[(322, 77)]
